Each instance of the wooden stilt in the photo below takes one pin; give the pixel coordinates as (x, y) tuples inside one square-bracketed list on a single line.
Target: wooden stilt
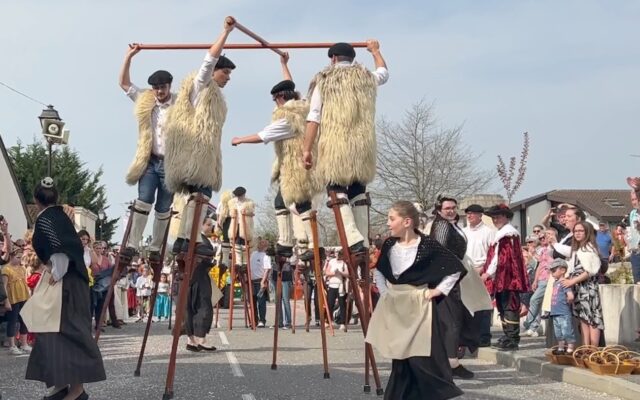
[(121, 262), (280, 262), (174, 276), (316, 268), (157, 270), (296, 279), (190, 262), (247, 247), (233, 281), (328, 311), (307, 299), (364, 320)]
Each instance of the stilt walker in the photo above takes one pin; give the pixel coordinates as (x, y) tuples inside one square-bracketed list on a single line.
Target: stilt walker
[(156, 266), (193, 130), (343, 103), (240, 234), (190, 260), (148, 167)]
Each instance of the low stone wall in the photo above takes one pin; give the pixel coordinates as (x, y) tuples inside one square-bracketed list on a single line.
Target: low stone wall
[(621, 313)]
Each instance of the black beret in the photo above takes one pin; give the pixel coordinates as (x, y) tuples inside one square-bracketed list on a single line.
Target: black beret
[(224, 62), (342, 49), (239, 191), (284, 86), (160, 78), (475, 208)]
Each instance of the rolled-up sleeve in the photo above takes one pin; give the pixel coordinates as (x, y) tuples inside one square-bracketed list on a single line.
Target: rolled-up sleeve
[(59, 265), (133, 92), (315, 107), (382, 75), (448, 282), (276, 131)]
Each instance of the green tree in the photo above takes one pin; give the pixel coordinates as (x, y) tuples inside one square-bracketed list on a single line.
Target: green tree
[(77, 185)]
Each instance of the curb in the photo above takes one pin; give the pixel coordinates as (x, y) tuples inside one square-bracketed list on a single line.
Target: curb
[(562, 373)]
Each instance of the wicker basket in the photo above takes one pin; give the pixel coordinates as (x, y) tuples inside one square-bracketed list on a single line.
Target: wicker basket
[(631, 358), (581, 354), (608, 363), (564, 359), (615, 349)]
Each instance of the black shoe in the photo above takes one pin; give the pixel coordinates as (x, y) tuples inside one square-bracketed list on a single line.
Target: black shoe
[(357, 248), (57, 396), (462, 373), (284, 251), (177, 246), (204, 348), (485, 343), (306, 256), (559, 352), (154, 257), (83, 396), (507, 345), (502, 339), (195, 349)]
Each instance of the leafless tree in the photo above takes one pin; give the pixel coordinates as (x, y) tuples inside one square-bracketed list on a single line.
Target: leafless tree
[(418, 160), (507, 176)]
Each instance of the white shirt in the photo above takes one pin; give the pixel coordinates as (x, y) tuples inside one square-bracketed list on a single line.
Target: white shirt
[(144, 284), (315, 106), (334, 266), (402, 257), (479, 238), (260, 262), (276, 131), (159, 112), (59, 265)]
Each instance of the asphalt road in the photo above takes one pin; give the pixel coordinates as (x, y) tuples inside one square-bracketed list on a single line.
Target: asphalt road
[(241, 369)]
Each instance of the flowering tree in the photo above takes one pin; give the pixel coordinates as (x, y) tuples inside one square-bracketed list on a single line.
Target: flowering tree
[(507, 175)]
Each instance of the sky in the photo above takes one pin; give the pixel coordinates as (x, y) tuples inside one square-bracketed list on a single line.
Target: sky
[(565, 71)]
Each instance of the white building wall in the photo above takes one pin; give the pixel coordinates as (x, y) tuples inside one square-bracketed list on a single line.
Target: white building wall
[(535, 213), (10, 204)]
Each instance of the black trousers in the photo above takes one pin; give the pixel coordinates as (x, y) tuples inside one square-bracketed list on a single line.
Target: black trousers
[(313, 291), (353, 190), (100, 298), (508, 305), (332, 295), (278, 204)]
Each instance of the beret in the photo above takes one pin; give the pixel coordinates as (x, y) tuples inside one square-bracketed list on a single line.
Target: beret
[(284, 86), (160, 78), (342, 49)]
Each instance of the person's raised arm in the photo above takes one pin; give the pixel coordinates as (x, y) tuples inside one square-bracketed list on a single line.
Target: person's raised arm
[(125, 78), (284, 60), (216, 48), (373, 46)]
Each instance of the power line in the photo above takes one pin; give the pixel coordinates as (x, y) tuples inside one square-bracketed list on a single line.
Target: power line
[(22, 94)]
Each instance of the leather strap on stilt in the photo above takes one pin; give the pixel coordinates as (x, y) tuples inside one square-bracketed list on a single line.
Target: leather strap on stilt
[(339, 201), (363, 202), (283, 211), (138, 211)]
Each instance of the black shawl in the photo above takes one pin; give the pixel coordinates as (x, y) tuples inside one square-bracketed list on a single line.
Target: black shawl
[(54, 233), (433, 262), (444, 232)]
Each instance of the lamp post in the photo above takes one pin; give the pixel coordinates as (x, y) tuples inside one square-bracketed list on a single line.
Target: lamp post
[(49, 113), (101, 218)]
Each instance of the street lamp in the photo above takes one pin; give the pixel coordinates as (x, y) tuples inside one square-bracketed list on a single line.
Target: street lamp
[(52, 125), (101, 218)]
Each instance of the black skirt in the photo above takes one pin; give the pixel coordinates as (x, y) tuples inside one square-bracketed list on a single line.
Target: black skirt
[(199, 316), (458, 326), (70, 356), (418, 378)]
